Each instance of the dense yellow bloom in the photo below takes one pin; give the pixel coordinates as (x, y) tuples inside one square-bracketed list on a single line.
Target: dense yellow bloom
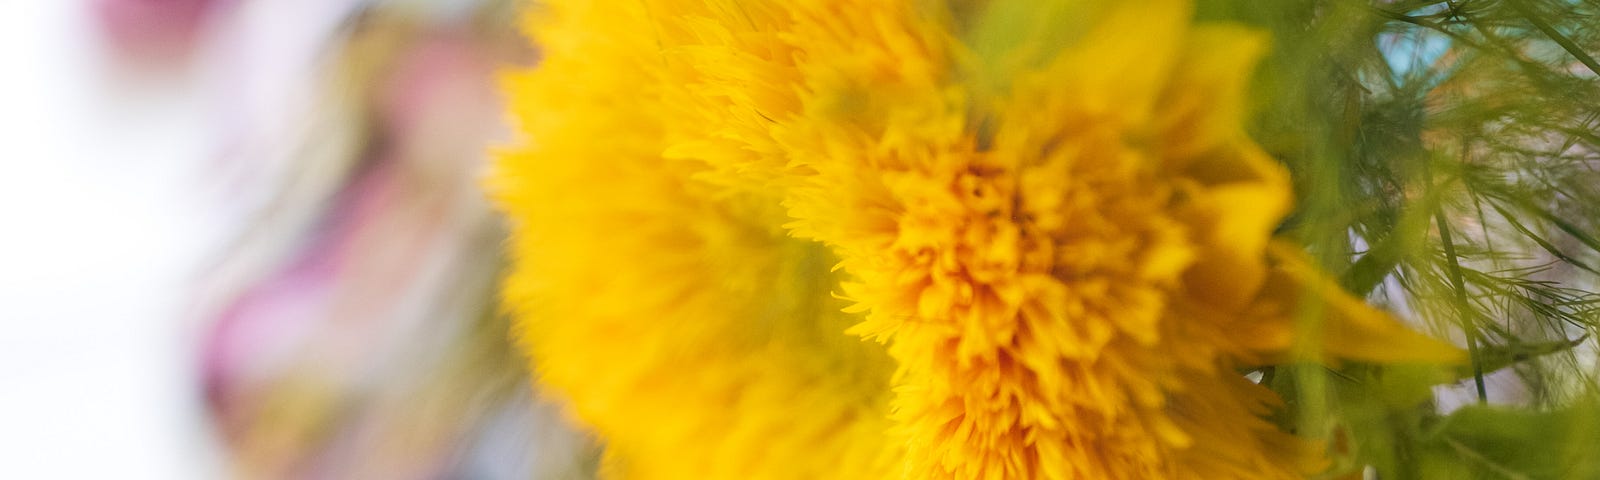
[(1050, 218)]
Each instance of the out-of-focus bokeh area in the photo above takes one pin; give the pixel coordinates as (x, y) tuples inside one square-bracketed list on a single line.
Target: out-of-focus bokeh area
[(244, 239)]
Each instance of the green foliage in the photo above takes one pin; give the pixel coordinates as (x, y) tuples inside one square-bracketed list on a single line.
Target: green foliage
[(1447, 162), (1483, 442)]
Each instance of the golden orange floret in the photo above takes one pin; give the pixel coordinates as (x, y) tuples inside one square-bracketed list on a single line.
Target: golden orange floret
[(1048, 215)]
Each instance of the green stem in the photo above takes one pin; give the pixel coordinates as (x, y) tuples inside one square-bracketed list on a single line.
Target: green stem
[(1461, 301)]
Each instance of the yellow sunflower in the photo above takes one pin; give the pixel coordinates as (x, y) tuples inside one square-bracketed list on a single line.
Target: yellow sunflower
[(1047, 215)]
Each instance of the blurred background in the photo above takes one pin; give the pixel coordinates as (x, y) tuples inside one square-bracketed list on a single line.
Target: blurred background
[(244, 239)]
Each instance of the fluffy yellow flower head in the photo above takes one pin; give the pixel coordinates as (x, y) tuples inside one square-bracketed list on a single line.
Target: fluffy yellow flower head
[(1047, 214)]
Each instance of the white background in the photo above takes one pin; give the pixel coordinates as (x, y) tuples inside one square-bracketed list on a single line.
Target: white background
[(100, 235)]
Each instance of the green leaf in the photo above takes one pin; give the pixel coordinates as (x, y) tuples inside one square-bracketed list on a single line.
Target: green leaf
[(1482, 442)]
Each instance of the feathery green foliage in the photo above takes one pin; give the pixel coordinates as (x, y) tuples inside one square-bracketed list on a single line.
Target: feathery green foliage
[(1447, 159)]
